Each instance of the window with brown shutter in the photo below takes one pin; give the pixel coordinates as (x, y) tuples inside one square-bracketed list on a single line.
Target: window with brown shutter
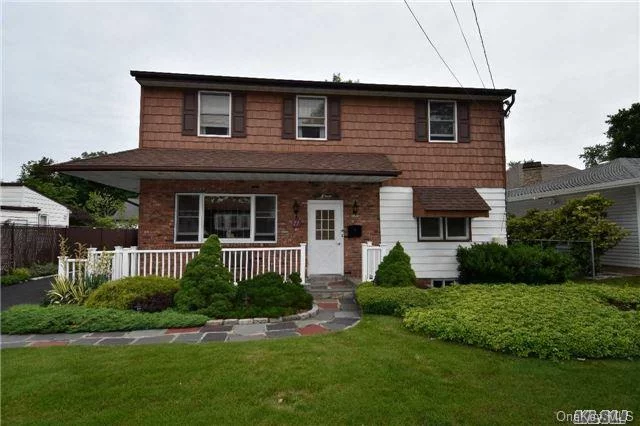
[(238, 115), (289, 117), (190, 113), (333, 115), (464, 122), (422, 124)]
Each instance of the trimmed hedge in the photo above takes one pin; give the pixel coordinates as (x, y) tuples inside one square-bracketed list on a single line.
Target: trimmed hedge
[(25, 319), (374, 299), (558, 322), (267, 295), (495, 263), (146, 294)]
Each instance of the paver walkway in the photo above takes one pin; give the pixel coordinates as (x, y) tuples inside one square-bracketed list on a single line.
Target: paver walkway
[(333, 315)]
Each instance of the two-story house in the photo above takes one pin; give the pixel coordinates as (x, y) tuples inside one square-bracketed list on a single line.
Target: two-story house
[(275, 163)]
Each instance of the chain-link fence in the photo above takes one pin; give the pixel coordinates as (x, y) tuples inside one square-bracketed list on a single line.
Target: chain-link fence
[(582, 251)]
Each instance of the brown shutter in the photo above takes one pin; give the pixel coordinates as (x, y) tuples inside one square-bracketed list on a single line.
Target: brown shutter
[(333, 116), (190, 113), (289, 117), (464, 126), (422, 122), (238, 115)]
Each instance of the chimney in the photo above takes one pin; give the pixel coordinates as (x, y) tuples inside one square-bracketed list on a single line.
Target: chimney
[(531, 173)]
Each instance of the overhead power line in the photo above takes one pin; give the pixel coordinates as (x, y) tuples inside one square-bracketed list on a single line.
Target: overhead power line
[(431, 43), (466, 42), (483, 47)]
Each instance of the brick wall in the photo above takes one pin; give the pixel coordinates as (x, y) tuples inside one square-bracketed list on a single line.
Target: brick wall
[(371, 125), (157, 201)]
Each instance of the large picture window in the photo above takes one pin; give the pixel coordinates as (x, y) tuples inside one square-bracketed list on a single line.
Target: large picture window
[(444, 229), (312, 117), (233, 218), (442, 121), (214, 115)]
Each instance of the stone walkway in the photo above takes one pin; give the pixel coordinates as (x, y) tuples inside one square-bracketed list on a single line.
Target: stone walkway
[(333, 314)]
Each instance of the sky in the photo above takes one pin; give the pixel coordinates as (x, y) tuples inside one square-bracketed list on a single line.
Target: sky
[(66, 86)]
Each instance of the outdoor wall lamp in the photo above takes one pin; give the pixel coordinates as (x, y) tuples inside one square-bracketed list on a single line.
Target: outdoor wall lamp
[(296, 207), (354, 209)]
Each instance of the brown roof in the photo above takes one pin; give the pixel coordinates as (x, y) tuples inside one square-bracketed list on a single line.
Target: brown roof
[(448, 202), (188, 160)]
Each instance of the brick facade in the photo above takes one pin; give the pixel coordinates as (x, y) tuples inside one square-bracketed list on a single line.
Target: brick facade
[(371, 125), (157, 201)]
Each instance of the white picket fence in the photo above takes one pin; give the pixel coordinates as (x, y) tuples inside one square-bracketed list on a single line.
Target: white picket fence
[(243, 263), (371, 258)]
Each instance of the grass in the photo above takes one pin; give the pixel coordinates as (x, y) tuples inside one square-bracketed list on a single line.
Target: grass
[(375, 373)]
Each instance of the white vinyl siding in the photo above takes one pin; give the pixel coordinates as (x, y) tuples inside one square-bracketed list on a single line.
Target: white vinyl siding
[(438, 258), (21, 196), (624, 212)]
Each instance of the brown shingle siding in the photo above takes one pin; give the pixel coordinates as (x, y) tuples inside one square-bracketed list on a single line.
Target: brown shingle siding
[(369, 125)]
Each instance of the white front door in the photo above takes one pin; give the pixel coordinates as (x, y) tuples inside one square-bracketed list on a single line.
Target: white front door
[(326, 248)]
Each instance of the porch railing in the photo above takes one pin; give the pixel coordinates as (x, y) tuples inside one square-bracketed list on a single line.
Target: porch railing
[(371, 258), (243, 263)]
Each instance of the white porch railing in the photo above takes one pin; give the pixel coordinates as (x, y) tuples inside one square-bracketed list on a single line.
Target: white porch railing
[(371, 258), (243, 263)]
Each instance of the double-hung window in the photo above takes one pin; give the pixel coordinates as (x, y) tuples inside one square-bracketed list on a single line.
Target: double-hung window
[(442, 121), (444, 229), (311, 114), (214, 114), (233, 218)]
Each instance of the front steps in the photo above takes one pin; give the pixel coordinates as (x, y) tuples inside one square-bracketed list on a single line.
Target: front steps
[(323, 287)]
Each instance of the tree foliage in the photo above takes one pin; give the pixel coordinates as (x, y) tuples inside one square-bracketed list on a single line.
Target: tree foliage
[(77, 193), (337, 78), (583, 219), (624, 138)]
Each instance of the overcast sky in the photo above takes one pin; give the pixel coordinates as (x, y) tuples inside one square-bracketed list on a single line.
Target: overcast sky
[(65, 66)]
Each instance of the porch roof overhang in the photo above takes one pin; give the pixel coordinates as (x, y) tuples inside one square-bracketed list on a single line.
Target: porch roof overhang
[(125, 169), (448, 202)]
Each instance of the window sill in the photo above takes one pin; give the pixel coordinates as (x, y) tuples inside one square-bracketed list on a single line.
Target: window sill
[(443, 141), (311, 139), (214, 136)]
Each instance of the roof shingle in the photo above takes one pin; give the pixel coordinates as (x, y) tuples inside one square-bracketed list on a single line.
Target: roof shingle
[(450, 202)]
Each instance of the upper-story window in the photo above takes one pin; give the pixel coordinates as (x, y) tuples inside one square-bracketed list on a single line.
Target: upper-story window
[(214, 114), (442, 121), (312, 117)]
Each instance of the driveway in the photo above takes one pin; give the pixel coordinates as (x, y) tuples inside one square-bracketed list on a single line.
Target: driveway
[(28, 292)]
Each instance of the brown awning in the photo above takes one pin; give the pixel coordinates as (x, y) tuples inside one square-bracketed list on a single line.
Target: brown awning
[(448, 202), (125, 169)]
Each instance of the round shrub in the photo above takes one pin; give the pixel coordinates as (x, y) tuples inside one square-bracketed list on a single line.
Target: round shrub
[(271, 291), (395, 269), (206, 284), (146, 294)]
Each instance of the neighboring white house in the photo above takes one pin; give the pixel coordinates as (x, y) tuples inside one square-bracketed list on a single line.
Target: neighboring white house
[(23, 206), (617, 180)]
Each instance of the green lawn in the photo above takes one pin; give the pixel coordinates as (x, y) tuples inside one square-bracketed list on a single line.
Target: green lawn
[(375, 373)]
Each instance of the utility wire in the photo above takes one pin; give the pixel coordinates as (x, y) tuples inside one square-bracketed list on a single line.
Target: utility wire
[(431, 43), (466, 42), (482, 40)]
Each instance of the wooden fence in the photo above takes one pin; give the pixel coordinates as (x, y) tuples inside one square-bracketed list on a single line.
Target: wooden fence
[(22, 246)]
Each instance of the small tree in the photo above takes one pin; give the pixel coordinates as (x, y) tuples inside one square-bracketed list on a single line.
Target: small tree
[(579, 219), (207, 284), (395, 269)]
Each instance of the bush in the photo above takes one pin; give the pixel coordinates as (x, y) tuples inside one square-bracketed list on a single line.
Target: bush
[(267, 295), (495, 263), (24, 319), (146, 294), (558, 322), (392, 301), (583, 219), (16, 276), (67, 292), (206, 283), (395, 269), (43, 269)]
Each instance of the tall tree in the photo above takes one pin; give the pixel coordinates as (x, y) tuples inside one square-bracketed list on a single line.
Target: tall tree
[(624, 138)]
